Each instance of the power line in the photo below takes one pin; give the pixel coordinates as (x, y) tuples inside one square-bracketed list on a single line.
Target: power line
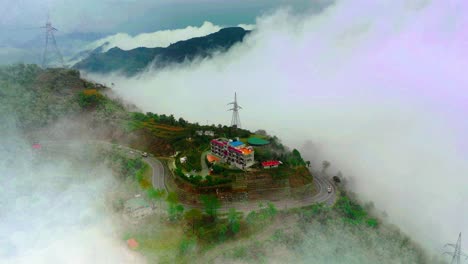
[(50, 40), (235, 121), (457, 253)]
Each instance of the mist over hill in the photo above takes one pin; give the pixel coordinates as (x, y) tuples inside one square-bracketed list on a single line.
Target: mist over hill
[(377, 89), (136, 60), (55, 104)]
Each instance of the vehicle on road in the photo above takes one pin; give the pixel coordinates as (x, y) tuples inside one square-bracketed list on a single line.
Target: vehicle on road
[(329, 189), (144, 154), (131, 152)]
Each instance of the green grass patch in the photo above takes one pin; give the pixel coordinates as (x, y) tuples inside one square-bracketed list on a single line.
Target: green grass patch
[(143, 177)]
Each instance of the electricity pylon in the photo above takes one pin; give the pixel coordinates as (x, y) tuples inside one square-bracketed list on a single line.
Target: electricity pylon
[(235, 121), (457, 253), (50, 37)]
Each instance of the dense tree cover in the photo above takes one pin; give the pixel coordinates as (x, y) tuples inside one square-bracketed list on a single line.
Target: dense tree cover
[(162, 119), (193, 216), (33, 101), (156, 194), (125, 166), (174, 209), (352, 212), (211, 205), (38, 97), (90, 98), (233, 221)]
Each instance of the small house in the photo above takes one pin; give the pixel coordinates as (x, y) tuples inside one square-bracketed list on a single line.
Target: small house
[(209, 133), (271, 164)]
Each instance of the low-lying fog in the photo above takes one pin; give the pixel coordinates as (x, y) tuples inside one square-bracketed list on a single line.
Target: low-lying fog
[(53, 205), (376, 88)]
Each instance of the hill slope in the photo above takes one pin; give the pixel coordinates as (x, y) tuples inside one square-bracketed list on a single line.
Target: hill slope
[(135, 60)]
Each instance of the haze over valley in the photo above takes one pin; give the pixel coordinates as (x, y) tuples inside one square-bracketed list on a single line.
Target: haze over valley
[(371, 93)]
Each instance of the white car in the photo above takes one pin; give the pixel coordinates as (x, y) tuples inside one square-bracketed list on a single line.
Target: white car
[(329, 189), (144, 154)]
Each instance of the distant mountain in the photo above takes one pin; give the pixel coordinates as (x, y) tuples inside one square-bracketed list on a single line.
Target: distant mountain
[(84, 54), (135, 60)]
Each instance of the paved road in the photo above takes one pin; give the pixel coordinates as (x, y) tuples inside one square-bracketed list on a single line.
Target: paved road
[(205, 170), (160, 175)]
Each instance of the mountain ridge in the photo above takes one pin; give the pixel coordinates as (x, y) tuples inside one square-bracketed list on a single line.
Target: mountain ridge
[(131, 62)]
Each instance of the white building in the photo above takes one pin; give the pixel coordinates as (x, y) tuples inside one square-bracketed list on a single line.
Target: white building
[(206, 133), (209, 133), (233, 152)]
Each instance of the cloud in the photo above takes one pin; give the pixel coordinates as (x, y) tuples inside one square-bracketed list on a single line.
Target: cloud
[(377, 88), (162, 38), (53, 209)]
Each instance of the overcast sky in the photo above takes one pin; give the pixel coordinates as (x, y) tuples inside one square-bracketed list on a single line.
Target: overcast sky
[(131, 16)]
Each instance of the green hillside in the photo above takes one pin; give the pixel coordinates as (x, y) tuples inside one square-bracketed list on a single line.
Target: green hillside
[(135, 60)]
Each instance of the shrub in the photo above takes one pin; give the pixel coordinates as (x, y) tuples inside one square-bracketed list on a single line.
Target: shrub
[(90, 98)]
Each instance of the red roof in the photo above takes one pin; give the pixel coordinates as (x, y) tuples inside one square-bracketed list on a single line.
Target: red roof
[(211, 158), (234, 149), (219, 143), (132, 243), (271, 163), (36, 146)]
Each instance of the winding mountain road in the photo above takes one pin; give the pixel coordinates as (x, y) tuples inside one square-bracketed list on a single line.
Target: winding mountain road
[(160, 175)]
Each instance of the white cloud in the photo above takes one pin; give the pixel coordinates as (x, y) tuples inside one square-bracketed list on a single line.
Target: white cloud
[(55, 209), (162, 38), (378, 88), (247, 26)]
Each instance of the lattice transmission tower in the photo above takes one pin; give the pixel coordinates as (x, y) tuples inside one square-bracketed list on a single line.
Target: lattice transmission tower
[(457, 253), (50, 40), (235, 121)]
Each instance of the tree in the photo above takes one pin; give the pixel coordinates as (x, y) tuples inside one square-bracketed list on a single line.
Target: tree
[(179, 211), (296, 159), (174, 209), (172, 198), (193, 216), (211, 204), (182, 122), (325, 165), (233, 220), (261, 132), (336, 179), (271, 209), (157, 194)]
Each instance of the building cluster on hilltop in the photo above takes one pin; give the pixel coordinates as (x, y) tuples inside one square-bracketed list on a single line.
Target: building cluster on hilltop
[(235, 153)]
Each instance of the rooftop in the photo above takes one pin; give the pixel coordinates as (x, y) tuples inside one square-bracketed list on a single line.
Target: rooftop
[(212, 158), (255, 141), (246, 151), (271, 163), (236, 143), (132, 243), (36, 146)]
